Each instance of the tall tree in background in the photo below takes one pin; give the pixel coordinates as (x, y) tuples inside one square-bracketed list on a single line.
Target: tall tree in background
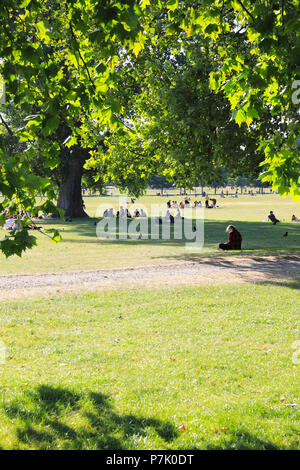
[(175, 123)]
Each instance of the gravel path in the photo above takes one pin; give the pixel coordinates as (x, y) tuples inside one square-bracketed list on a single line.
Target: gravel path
[(226, 269)]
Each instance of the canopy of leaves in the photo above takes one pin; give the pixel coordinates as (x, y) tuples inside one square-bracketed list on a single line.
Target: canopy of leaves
[(61, 61)]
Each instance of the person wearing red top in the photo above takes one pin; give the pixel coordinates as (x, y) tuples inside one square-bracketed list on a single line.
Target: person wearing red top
[(234, 239)]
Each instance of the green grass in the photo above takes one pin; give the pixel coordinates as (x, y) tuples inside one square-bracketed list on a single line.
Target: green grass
[(81, 250), (185, 368)]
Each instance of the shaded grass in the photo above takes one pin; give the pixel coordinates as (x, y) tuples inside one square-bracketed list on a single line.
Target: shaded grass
[(186, 368)]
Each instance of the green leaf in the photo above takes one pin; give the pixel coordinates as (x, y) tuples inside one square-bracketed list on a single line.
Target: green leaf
[(211, 28), (42, 31), (56, 237), (70, 141), (239, 116), (172, 5), (50, 124), (145, 3)]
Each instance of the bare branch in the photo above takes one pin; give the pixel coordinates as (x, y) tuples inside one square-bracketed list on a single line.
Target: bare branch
[(6, 126)]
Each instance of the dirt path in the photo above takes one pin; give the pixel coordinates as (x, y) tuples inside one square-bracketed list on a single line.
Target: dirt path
[(203, 271)]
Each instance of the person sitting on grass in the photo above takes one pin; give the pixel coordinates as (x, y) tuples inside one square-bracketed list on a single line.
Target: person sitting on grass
[(272, 218), (294, 219), (10, 224), (234, 239), (178, 214), (122, 212), (168, 217)]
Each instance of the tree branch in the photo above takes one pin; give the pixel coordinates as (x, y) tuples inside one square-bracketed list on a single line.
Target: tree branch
[(247, 11), (7, 126), (80, 55)]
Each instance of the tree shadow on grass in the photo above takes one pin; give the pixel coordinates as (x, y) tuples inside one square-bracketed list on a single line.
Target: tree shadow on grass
[(277, 271), (240, 440), (43, 421), (86, 232), (258, 238), (56, 418), (290, 283), (243, 440)]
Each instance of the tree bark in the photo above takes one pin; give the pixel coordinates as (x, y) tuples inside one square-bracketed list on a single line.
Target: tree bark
[(70, 196)]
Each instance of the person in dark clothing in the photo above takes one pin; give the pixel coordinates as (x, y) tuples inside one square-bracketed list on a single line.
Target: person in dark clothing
[(234, 239), (273, 219)]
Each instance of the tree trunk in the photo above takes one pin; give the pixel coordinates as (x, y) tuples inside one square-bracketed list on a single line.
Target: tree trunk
[(69, 196)]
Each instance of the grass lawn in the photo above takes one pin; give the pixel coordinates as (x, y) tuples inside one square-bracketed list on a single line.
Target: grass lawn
[(185, 368), (80, 249)]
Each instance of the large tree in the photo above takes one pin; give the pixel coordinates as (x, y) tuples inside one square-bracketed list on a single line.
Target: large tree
[(58, 62)]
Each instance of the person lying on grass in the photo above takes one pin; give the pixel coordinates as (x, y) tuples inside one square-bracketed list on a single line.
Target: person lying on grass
[(234, 239), (294, 219), (273, 219)]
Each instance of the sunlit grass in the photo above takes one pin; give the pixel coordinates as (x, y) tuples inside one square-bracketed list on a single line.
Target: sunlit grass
[(151, 369)]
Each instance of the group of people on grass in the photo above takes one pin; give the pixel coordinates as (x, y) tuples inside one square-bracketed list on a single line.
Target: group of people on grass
[(17, 221), (235, 238), (236, 194), (188, 204), (272, 217), (13, 222), (124, 213), (183, 204), (169, 218)]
